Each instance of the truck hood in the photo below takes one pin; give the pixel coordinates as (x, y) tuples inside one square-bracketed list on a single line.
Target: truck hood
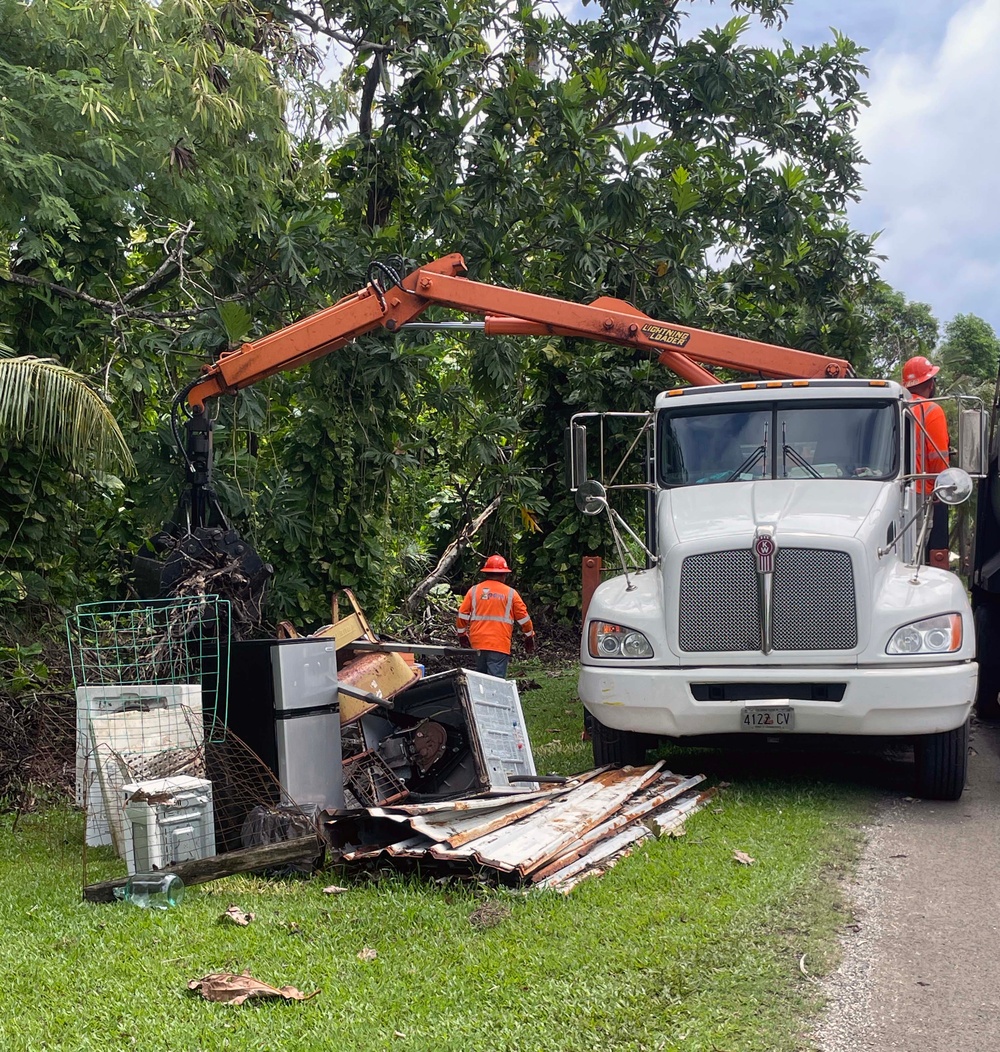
[(824, 507)]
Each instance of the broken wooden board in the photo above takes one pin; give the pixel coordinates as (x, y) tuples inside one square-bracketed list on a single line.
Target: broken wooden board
[(202, 870)]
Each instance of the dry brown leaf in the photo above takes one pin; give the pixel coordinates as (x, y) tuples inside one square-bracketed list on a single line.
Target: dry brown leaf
[(236, 915), (230, 988), (334, 889), (743, 858), (367, 954)]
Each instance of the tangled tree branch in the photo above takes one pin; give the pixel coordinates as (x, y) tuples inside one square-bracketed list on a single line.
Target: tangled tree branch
[(450, 556), (355, 44)]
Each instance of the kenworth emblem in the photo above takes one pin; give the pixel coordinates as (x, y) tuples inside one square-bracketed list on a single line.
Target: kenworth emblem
[(764, 549)]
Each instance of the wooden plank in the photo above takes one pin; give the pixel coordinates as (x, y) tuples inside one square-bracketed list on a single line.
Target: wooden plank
[(202, 870), (346, 631)]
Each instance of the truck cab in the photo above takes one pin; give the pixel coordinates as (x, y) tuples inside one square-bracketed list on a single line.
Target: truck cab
[(782, 592)]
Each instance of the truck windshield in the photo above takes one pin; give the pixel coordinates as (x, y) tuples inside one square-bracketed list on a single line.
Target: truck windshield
[(819, 440)]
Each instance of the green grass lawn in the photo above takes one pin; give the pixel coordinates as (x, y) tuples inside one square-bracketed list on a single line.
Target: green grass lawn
[(678, 947)]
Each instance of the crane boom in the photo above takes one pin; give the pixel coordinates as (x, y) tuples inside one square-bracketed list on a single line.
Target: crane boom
[(443, 282), (199, 538)]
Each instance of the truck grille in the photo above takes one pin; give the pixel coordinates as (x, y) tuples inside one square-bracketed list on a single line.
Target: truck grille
[(813, 602), (719, 602)]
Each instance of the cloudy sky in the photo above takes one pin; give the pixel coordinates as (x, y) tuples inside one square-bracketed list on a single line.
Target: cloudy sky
[(931, 137)]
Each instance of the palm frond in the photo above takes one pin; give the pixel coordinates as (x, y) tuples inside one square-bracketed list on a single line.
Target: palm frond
[(54, 409)]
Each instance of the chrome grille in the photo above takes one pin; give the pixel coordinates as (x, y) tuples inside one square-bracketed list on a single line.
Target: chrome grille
[(814, 605), (813, 601), (719, 602)]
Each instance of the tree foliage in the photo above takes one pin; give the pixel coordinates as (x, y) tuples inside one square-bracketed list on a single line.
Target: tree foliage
[(51, 408), (188, 174), (898, 329), (969, 351)]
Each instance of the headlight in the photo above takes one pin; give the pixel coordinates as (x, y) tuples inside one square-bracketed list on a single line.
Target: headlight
[(617, 641), (933, 635)]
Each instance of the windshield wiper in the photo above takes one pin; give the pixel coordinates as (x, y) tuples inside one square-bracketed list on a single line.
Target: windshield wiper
[(760, 453), (790, 452), (797, 459)]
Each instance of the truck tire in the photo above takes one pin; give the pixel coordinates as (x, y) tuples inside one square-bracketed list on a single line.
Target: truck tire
[(941, 763), (617, 748), (988, 656)]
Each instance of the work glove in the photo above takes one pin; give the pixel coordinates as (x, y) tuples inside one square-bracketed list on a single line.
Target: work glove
[(529, 645), (464, 641)]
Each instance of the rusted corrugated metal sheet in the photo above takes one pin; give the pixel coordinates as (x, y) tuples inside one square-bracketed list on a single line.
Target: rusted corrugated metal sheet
[(552, 837), (475, 825), (525, 845), (636, 808), (603, 854)]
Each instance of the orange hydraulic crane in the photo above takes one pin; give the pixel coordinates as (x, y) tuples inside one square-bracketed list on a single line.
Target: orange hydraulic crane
[(200, 530), (506, 311)]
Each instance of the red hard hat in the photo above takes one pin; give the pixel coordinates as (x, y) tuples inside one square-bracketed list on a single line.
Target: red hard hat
[(495, 564), (918, 370)]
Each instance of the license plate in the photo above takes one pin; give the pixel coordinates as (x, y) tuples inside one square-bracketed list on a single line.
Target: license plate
[(768, 718)]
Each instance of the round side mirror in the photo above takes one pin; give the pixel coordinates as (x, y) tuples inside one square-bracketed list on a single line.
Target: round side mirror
[(591, 497), (953, 486)]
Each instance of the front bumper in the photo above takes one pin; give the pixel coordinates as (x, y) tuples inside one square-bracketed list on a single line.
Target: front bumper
[(876, 701)]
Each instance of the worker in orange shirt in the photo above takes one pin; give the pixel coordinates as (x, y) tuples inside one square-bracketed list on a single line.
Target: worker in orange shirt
[(487, 615), (931, 453)]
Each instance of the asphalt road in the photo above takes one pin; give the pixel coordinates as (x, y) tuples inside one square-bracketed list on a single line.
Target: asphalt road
[(921, 967)]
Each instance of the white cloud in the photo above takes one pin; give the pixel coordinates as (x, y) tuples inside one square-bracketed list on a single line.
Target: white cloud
[(931, 135), (932, 139)]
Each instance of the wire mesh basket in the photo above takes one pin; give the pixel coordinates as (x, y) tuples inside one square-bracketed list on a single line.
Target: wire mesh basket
[(155, 643)]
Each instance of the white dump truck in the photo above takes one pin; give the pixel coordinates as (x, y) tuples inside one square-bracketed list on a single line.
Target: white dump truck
[(781, 590)]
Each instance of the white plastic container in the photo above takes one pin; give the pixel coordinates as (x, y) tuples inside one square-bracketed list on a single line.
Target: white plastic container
[(171, 820)]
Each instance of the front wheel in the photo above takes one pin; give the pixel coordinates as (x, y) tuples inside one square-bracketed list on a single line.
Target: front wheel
[(617, 748), (942, 762)]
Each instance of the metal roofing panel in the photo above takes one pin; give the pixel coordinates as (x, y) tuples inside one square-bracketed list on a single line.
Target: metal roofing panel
[(532, 841), (607, 849), (638, 807), (485, 801), (563, 879), (462, 827)]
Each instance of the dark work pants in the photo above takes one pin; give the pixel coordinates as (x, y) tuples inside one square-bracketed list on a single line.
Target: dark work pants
[(493, 663), (938, 537)]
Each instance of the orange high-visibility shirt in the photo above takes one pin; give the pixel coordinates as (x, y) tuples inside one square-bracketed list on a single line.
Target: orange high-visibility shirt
[(931, 440), (488, 613)]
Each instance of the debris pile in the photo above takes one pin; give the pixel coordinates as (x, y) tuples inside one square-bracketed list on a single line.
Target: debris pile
[(366, 757), (549, 838)]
